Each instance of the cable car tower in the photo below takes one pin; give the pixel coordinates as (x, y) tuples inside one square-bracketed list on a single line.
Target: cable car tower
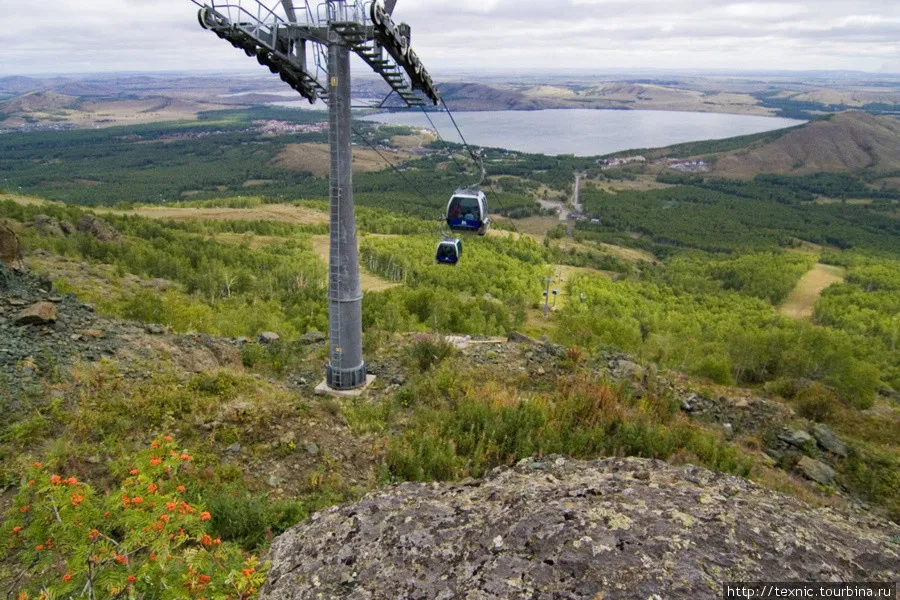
[(309, 44)]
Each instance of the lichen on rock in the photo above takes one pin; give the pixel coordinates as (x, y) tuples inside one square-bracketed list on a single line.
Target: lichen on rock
[(560, 528)]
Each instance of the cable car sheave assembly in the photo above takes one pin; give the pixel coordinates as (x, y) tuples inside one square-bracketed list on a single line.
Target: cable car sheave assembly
[(284, 35)]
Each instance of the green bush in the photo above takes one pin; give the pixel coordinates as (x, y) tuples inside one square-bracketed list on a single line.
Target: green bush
[(143, 541), (817, 403), (252, 521), (427, 351)]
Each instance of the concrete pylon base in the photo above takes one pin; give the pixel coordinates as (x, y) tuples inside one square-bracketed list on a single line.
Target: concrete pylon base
[(324, 390)]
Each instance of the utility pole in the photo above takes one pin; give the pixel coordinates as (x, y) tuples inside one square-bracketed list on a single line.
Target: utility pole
[(277, 34)]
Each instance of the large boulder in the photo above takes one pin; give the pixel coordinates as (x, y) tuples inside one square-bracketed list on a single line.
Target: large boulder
[(815, 470), (10, 248), (794, 437), (48, 226), (828, 440), (559, 528), (97, 227), (42, 313)]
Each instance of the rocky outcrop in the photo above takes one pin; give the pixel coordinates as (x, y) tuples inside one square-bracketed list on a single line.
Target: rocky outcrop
[(558, 528), (50, 227), (97, 227), (10, 249)]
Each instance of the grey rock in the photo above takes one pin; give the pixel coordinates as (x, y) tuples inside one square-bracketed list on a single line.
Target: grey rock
[(312, 448), (728, 428), (816, 470), (828, 440), (41, 313), (515, 337), (153, 329), (233, 449), (268, 337), (97, 227), (313, 337), (794, 437), (571, 530), (48, 226), (626, 369)]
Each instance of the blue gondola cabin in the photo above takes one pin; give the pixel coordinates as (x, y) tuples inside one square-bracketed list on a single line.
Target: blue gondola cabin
[(449, 252), (467, 212)]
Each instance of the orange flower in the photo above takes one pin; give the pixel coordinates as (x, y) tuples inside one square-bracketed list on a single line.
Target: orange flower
[(206, 540), (155, 461), (17, 529), (39, 547), (152, 556), (23, 596), (203, 579), (93, 535), (205, 516), (137, 500), (36, 465), (164, 518), (76, 499), (107, 514), (185, 457), (217, 541), (155, 444), (121, 559), (55, 479), (95, 559), (31, 482), (248, 572), (72, 481), (131, 578), (25, 508), (152, 487), (134, 471), (67, 577), (170, 505), (168, 438), (180, 488)]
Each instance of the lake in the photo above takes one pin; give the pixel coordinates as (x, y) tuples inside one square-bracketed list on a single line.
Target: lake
[(585, 132)]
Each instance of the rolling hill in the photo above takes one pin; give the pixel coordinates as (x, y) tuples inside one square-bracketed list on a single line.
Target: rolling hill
[(848, 141)]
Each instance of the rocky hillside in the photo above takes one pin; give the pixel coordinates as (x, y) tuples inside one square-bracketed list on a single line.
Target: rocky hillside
[(848, 141), (558, 528)]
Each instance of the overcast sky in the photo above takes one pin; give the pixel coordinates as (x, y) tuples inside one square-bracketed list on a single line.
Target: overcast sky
[(458, 35)]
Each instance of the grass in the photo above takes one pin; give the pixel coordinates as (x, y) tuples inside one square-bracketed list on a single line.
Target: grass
[(466, 429)]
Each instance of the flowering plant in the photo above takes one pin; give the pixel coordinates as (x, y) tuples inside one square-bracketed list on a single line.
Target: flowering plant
[(143, 541)]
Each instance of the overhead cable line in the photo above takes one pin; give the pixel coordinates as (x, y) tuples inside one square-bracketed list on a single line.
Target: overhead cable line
[(394, 167), (441, 138)]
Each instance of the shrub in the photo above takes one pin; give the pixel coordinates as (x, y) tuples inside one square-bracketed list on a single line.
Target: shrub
[(817, 403), (427, 351), (143, 541)]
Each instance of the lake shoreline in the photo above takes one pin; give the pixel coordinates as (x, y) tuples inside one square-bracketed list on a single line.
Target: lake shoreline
[(585, 132)]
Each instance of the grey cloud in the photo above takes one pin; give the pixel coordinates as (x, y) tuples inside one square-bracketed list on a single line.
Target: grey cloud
[(163, 34)]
